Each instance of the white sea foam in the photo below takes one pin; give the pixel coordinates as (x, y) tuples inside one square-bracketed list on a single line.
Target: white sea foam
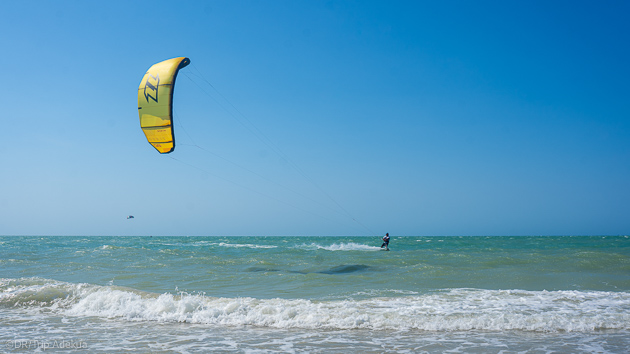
[(350, 246), (242, 245), (449, 310)]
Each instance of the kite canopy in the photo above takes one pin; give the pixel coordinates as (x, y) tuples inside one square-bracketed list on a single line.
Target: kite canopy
[(155, 103)]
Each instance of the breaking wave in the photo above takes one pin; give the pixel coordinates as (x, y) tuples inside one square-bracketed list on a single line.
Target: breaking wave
[(350, 246), (446, 310)]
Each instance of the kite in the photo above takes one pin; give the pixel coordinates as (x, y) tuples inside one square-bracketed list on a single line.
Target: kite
[(155, 103)]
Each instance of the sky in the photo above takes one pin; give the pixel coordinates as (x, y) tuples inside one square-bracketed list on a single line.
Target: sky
[(349, 118)]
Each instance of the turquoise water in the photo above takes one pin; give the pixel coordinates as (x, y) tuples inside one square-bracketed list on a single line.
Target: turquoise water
[(316, 294)]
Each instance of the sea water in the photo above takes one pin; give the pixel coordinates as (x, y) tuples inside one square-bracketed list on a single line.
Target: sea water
[(315, 294)]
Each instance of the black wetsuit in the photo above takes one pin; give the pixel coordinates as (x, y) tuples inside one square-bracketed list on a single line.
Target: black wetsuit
[(385, 242)]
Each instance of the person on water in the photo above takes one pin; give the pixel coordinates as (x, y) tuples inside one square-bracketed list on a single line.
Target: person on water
[(386, 242)]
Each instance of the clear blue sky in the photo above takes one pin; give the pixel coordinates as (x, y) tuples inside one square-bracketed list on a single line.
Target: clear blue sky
[(408, 117)]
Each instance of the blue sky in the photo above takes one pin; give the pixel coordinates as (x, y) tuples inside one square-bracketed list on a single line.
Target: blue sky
[(318, 118)]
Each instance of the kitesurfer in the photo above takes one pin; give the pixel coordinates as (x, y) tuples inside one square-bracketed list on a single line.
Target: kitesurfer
[(386, 242)]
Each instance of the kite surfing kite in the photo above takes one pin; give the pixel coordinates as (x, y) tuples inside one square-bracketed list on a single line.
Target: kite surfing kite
[(155, 103)]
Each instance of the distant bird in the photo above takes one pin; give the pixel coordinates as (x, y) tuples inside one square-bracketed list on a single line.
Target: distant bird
[(130, 217)]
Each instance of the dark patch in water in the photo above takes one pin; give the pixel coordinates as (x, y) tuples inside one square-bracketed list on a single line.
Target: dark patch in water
[(343, 269), (261, 269), (340, 269), (298, 272)]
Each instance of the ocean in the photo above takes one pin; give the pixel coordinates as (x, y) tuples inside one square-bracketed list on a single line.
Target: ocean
[(315, 294)]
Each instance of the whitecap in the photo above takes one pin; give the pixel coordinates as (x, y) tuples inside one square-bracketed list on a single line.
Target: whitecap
[(441, 311), (350, 246)]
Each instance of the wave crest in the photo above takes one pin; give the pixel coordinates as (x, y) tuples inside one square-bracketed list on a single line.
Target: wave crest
[(447, 310), (350, 246)]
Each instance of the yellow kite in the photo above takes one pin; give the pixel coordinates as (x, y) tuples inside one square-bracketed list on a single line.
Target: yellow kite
[(155, 103)]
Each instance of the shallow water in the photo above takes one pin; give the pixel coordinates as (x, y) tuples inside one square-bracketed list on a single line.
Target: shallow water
[(315, 294)]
